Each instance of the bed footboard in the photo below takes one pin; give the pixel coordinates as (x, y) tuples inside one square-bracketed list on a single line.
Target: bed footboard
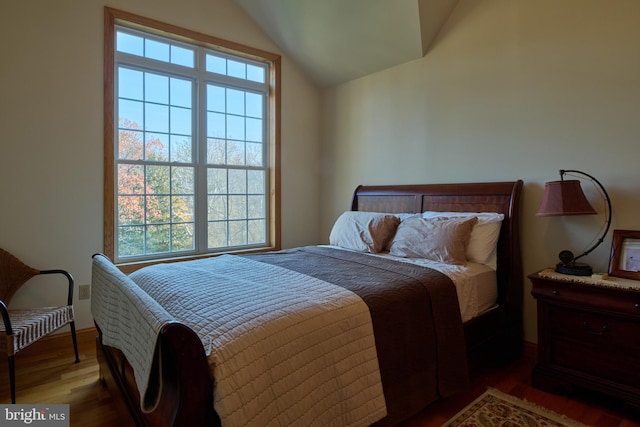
[(186, 392)]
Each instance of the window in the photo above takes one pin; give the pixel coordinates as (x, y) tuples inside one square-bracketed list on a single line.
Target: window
[(190, 143)]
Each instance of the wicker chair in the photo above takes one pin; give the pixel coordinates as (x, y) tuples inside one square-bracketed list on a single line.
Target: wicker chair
[(22, 327)]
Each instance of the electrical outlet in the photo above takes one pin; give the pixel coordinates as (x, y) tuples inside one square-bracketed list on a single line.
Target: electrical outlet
[(84, 291)]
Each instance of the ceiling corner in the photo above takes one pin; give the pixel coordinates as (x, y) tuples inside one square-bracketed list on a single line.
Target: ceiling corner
[(335, 41), (433, 15)]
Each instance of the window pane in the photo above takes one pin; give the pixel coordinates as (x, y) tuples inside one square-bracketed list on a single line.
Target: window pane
[(235, 102), (254, 105), (217, 181), (217, 235), (131, 180), (182, 180), (254, 154), (158, 179), (216, 125), (236, 69), (182, 237), (130, 144), (182, 209), (254, 130), (158, 238), (130, 210), (130, 83), (216, 98), (130, 114), (130, 241), (237, 181), (216, 150), (156, 146), (156, 88), (215, 64), (156, 117), (235, 153), (257, 232), (255, 74), (182, 56), (181, 92), (237, 233), (128, 43), (180, 120), (156, 50), (235, 127), (217, 208), (158, 209), (237, 207), (255, 182), (181, 149), (256, 207)]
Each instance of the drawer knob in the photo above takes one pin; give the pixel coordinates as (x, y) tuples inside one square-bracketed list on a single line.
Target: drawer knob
[(637, 305), (602, 330), (556, 293)]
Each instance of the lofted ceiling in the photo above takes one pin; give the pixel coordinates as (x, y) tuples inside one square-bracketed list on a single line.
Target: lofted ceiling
[(335, 41)]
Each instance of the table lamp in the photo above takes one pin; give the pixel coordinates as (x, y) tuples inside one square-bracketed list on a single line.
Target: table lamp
[(565, 197)]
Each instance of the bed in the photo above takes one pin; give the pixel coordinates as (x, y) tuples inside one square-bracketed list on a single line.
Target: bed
[(184, 362)]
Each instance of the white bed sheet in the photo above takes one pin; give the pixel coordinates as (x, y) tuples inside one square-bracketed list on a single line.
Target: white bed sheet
[(476, 284)]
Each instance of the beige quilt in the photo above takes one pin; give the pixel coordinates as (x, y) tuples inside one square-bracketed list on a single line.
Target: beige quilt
[(284, 348), (129, 321)]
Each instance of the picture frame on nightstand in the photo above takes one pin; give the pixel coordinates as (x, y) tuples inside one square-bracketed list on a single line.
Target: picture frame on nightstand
[(625, 254)]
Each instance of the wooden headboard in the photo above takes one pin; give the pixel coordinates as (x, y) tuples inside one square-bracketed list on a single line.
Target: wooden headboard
[(501, 197)]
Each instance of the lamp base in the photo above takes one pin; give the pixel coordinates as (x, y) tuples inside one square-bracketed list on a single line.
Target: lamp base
[(574, 269)]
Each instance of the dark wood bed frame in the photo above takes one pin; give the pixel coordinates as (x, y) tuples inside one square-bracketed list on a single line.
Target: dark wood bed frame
[(492, 338)]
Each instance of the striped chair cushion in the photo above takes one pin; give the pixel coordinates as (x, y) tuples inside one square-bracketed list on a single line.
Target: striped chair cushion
[(29, 325)]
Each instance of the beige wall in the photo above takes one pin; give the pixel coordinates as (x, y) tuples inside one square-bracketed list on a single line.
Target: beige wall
[(511, 89), (51, 107)]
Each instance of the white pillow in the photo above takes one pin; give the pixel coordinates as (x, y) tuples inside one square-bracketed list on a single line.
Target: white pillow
[(363, 231), (484, 236), (438, 239), (404, 216)]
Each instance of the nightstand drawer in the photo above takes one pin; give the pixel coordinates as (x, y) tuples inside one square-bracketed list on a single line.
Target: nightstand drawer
[(606, 332), (592, 296), (601, 345), (621, 368)]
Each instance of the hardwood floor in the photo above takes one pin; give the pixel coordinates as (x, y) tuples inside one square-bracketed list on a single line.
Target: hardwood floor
[(514, 379), (46, 374)]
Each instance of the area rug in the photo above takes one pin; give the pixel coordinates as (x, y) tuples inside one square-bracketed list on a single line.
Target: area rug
[(497, 409)]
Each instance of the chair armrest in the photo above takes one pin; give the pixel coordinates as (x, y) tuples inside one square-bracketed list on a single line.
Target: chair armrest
[(69, 278), (5, 318)]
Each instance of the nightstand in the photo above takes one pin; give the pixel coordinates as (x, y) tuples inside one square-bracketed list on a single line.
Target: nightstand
[(588, 334)]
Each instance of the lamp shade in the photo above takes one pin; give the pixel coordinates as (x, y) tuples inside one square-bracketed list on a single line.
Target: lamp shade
[(564, 198)]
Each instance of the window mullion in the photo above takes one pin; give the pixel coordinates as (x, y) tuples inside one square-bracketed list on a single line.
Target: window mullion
[(201, 160)]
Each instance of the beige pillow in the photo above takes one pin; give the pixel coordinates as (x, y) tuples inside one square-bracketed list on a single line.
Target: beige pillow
[(438, 239), (363, 231), (482, 247)]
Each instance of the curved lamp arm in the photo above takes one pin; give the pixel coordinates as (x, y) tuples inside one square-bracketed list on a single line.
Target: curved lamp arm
[(606, 196)]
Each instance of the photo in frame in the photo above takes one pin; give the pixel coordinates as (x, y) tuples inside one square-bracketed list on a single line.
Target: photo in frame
[(625, 254)]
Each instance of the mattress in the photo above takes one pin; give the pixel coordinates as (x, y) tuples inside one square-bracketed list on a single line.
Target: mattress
[(476, 284)]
